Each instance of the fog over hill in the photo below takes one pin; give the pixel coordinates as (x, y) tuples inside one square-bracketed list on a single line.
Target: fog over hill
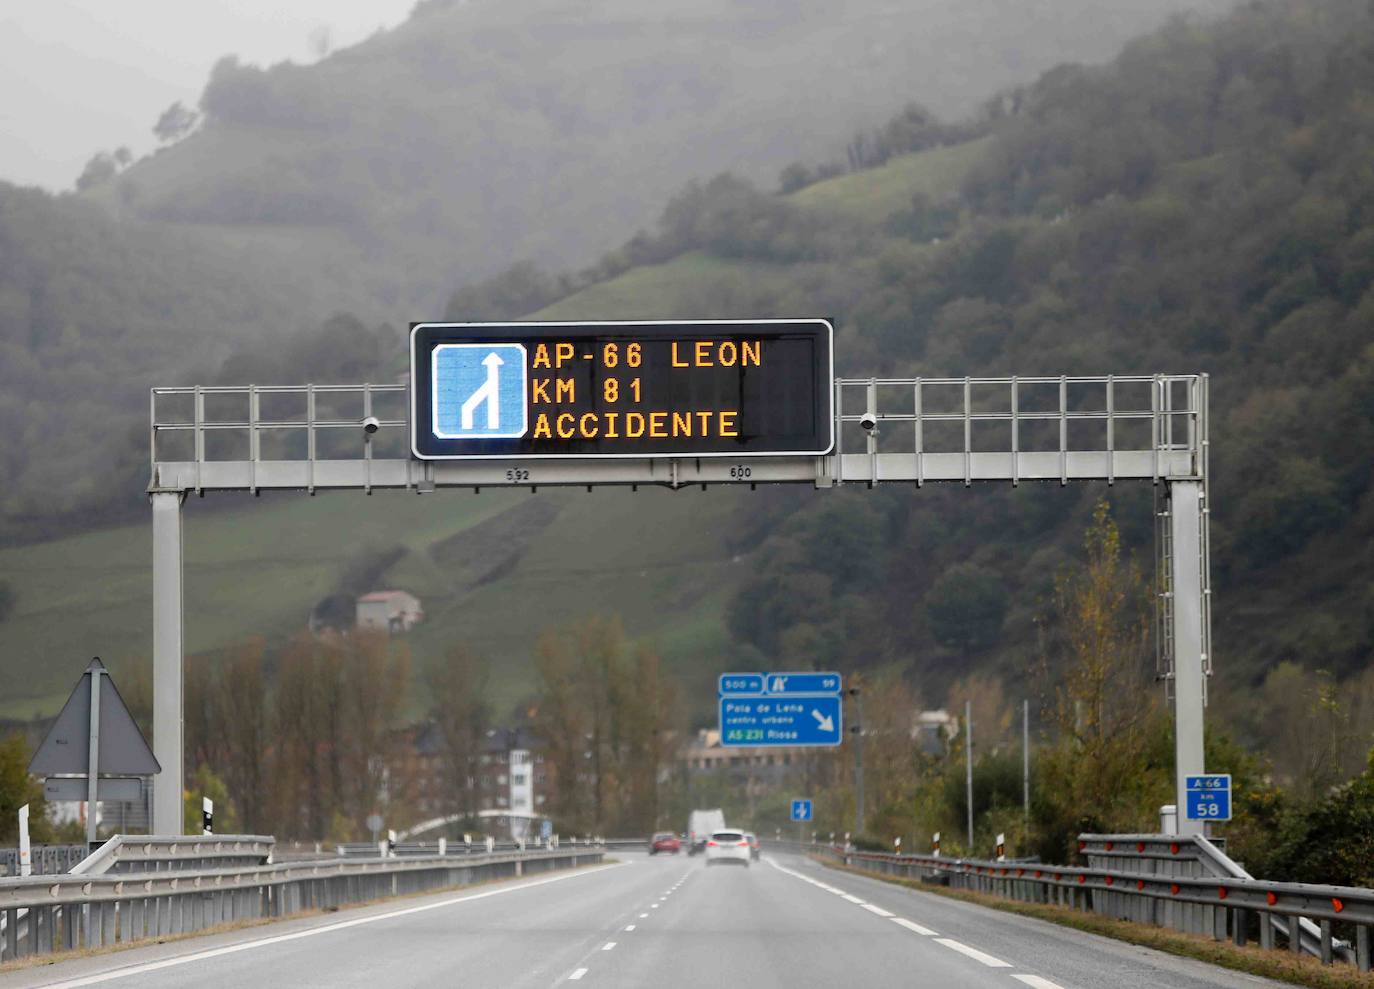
[(478, 133)]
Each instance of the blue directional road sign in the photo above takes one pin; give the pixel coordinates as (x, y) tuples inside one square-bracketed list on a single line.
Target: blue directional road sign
[(803, 683), (1209, 797), (780, 709), (479, 390), (801, 810)]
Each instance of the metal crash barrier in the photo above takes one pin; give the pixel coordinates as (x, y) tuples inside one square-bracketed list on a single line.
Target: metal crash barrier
[(1153, 879), (43, 914)]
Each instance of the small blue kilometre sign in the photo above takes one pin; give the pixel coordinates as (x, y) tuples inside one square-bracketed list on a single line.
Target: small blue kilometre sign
[(1209, 797), (801, 810)]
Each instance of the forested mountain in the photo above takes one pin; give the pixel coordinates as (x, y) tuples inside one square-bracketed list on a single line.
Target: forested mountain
[(478, 133), (1201, 203), (473, 134)]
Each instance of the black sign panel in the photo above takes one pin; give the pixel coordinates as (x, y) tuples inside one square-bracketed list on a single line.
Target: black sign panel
[(713, 388)]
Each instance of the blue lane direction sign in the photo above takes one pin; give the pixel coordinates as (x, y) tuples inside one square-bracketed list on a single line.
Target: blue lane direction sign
[(780, 721), (801, 810), (740, 685), (1209, 797), (803, 683)]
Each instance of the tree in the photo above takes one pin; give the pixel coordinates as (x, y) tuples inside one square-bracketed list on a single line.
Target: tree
[(99, 170), (205, 783), (18, 788), (966, 608), (461, 712), (1110, 767), (175, 122)]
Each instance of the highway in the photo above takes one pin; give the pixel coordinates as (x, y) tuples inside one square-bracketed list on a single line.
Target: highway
[(662, 921)]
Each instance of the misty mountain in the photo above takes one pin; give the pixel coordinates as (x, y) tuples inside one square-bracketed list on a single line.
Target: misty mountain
[(479, 133)]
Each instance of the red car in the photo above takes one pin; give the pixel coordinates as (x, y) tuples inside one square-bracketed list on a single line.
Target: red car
[(664, 841)]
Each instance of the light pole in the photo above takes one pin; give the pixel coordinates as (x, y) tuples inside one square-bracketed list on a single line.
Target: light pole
[(857, 730), (1025, 763), (968, 763)]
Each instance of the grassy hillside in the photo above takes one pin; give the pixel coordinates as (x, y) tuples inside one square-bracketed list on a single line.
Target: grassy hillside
[(492, 572)]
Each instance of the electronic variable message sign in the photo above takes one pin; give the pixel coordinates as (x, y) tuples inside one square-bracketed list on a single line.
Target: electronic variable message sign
[(701, 388)]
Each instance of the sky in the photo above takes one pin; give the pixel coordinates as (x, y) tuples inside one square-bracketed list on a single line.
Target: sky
[(81, 76)]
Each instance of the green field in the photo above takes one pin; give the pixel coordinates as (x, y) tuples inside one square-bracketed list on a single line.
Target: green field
[(490, 573), (875, 194)]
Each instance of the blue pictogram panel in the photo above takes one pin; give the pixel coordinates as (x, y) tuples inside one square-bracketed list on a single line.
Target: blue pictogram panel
[(479, 390)]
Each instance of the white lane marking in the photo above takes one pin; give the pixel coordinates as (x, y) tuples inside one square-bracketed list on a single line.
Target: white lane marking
[(1035, 982), (608, 946), (231, 949), (878, 910), (629, 927), (653, 906), (577, 975), (851, 899), (914, 927), (973, 953), (643, 915)]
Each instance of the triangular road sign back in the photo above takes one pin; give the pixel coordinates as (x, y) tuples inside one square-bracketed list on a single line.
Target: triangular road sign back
[(66, 747)]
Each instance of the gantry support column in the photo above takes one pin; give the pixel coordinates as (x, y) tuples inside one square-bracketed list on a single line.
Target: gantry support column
[(1185, 522), (168, 718)]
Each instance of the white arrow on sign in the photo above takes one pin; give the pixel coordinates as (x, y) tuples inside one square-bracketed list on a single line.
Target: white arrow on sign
[(487, 393), (826, 723)]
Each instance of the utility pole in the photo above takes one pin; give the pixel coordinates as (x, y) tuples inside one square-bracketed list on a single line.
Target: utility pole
[(858, 730), (1025, 762), (968, 763)]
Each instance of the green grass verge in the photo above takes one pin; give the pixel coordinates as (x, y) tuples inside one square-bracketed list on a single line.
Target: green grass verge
[(1280, 965)]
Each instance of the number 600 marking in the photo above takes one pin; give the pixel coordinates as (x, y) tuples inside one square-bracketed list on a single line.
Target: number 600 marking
[(740, 473)]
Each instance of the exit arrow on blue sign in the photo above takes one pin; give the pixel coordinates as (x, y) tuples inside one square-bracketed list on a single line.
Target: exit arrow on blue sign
[(780, 721)]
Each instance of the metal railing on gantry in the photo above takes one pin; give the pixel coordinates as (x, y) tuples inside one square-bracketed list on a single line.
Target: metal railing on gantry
[(917, 430)]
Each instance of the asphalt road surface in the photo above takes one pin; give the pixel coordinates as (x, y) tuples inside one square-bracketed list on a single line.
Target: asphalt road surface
[(665, 921)]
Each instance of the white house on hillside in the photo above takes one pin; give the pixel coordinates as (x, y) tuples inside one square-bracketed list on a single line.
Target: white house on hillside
[(391, 611)]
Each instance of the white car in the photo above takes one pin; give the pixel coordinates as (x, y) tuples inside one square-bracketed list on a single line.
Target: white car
[(727, 846)]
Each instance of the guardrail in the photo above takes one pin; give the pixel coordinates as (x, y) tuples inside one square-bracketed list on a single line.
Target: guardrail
[(42, 914), (1221, 906), (44, 860), (125, 854)]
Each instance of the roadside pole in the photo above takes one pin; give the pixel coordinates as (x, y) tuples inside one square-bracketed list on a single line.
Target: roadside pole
[(968, 771), (1025, 762)]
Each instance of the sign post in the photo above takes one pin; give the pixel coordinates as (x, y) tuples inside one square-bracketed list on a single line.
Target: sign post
[(759, 710), (801, 813), (25, 850)]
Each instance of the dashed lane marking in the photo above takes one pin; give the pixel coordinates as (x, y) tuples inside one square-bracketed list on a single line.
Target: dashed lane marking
[(231, 949), (878, 910), (643, 915), (851, 898), (629, 927), (577, 975), (1035, 982), (608, 946), (974, 953), (914, 927)]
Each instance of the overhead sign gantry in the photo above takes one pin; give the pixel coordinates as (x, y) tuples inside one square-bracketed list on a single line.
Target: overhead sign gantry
[(484, 408)]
